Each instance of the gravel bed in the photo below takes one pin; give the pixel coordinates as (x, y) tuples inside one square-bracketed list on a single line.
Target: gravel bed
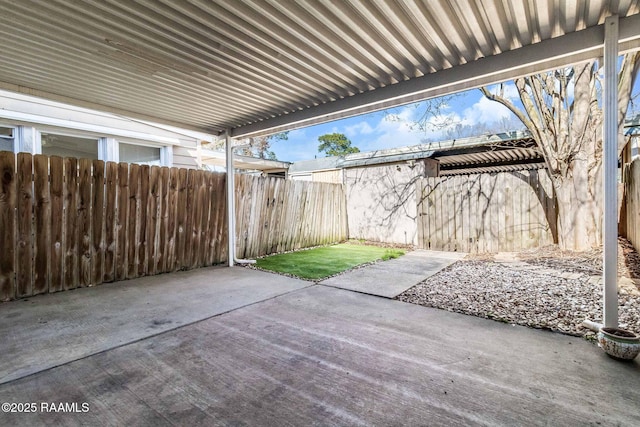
[(537, 299)]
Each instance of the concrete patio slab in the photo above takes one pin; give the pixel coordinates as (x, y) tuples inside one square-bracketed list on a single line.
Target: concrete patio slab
[(391, 278), (325, 356), (49, 330)]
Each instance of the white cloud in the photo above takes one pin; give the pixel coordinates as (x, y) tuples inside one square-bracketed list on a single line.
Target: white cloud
[(393, 130), (484, 111), (297, 133), (398, 128), (361, 128)]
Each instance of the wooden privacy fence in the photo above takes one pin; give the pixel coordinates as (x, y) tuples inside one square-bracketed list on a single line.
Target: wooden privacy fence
[(68, 223), (486, 212), (276, 215), (632, 198)]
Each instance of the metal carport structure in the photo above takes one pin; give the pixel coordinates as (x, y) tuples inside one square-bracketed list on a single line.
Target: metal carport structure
[(252, 67)]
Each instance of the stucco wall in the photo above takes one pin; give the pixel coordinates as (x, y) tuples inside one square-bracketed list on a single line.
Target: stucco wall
[(381, 204)]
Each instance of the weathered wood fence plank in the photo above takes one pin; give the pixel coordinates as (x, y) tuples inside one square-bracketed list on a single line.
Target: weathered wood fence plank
[(172, 221), (133, 227), (199, 218), (221, 251), (214, 215), (143, 220), (632, 196), (56, 255), (182, 214), (122, 224), (153, 204), (84, 221), (97, 220), (8, 225), (71, 245), (42, 223), (24, 240), (161, 261), (110, 221)]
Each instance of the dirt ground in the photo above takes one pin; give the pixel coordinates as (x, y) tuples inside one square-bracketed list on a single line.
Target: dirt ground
[(544, 288), (588, 262)]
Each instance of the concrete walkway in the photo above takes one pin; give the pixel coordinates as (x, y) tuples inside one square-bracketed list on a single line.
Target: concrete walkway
[(391, 278), (281, 352)]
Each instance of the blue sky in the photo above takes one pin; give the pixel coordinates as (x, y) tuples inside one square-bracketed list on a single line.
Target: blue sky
[(392, 128)]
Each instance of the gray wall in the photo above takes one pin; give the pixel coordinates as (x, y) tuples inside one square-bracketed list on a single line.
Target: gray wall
[(381, 202)]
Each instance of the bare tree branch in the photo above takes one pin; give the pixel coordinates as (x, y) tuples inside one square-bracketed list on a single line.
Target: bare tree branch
[(562, 110)]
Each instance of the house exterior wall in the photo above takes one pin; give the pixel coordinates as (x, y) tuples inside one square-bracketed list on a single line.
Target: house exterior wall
[(187, 154), (332, 176), (31, 117), (381, 202)]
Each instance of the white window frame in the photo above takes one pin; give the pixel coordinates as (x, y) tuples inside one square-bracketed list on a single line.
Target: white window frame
[(64, 132), (166, 151), (29, 139), (12, 138)]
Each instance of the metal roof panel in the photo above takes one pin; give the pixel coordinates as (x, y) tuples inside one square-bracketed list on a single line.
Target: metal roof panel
[(212, 65)]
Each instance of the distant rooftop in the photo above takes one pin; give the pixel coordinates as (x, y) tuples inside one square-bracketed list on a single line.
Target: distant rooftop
[(412, 152)]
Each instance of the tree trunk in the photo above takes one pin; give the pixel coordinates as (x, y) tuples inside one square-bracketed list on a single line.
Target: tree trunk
[(566, 123), (579, 204)]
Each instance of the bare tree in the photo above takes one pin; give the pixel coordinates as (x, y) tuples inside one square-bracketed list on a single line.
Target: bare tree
[(260, 147), (562, 111), (434, 114)]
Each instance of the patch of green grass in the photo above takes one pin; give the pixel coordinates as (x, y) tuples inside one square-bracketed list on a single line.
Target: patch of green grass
[(326, 261)]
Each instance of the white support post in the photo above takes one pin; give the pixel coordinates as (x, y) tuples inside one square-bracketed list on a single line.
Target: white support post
[(231, 223), (610, 170), (108, 150), (28, 140), (166, 156)]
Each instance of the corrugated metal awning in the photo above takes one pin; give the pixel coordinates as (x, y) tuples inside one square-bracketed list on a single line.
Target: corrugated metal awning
[(509, 155), (264, 65), (493, 169)]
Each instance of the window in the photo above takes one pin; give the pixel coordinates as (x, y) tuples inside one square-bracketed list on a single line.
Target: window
[(140, 154), (6, 138), (69, 146)]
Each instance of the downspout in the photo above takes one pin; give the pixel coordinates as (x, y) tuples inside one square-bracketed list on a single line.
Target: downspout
[(610, 166), (231, 209)]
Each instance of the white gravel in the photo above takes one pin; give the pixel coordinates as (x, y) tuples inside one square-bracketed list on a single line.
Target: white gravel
[(524, 295)]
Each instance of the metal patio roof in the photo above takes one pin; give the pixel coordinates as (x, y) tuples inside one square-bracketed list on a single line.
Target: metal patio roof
[(258, 66)]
